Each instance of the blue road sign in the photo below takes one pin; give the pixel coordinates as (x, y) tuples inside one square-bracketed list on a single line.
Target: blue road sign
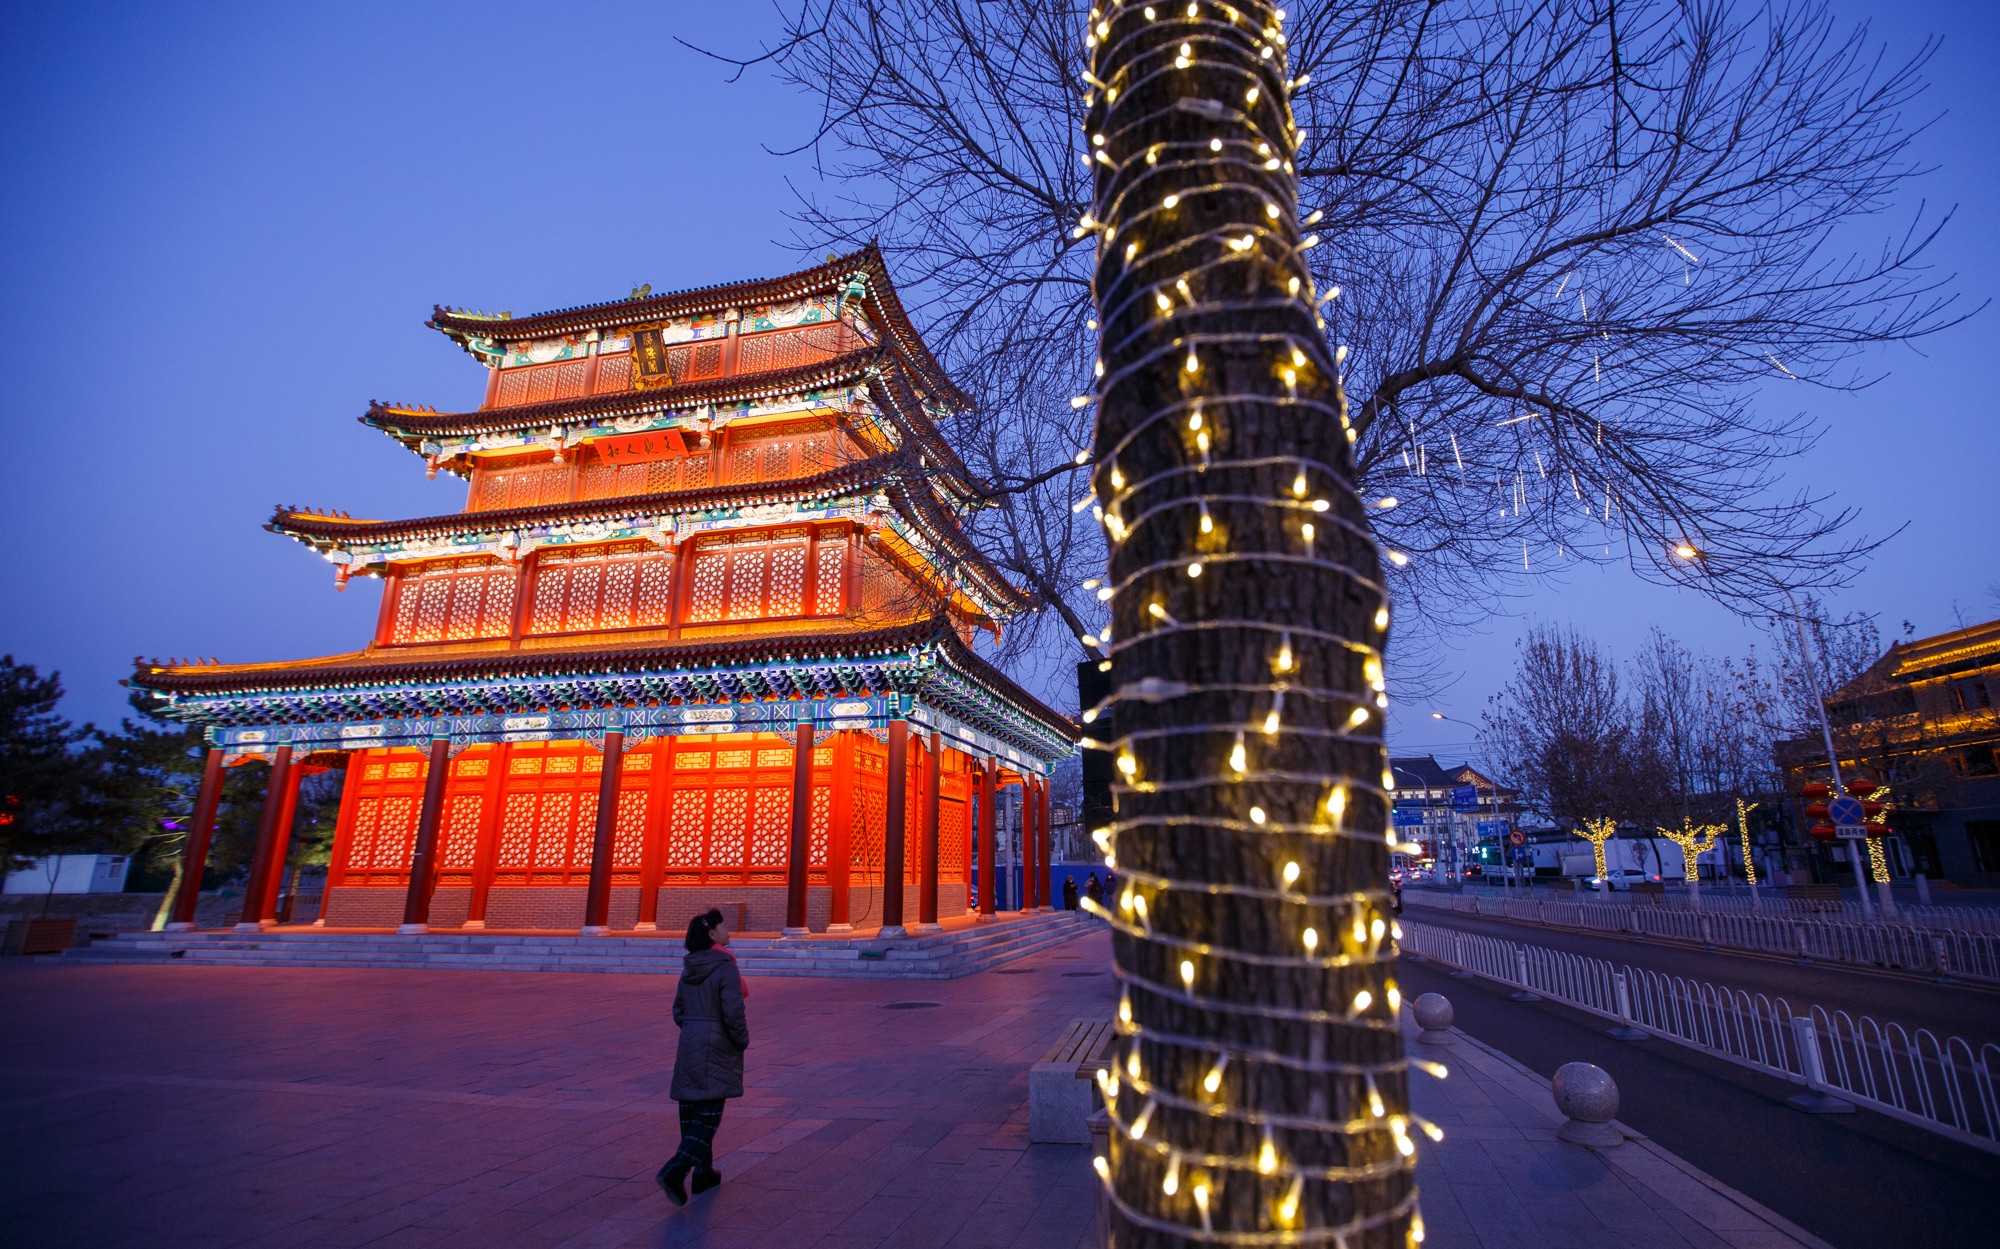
[(1406, 816), (1492, 828), (1465, 798)]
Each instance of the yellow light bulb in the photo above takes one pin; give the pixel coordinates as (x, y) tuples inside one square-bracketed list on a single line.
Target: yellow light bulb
[(1193, 362), (1163, 303), (1139, 905), (1395, 997), (1299, 484), (1250, 96), (1170, 201), (1311, 938), (1239, 759), (1271, 721), (1363, 1000), (1132, 1063), (1284, 661), (1128, 765), (1212, 1082), (1298, 357), (1267, 1157), (1291, 873), (1377, 928), (1138, 1128), (1257, 815), (1293, 286), (1381, 618), (1290, 375), (1271, 211), (1172, 1183), (1187, 973), (1358, 718), (1306, 531), (1125, 900), (1194, 419), (1131, 250), (1157, 611), (1336, 802), (1207, 521), (1288, 1209), (1103, 1168), (1194, 569), (1375, 1106)]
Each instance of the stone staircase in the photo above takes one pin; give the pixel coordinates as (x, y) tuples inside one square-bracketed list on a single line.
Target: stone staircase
[(959, 951)]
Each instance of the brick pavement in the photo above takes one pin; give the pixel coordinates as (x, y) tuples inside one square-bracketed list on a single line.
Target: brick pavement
[(281, 1108)]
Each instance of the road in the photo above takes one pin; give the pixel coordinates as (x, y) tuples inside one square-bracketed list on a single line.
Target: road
[(1858, 1181), (1965, 1010)]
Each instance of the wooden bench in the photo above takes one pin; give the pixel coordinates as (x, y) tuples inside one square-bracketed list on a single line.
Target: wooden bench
[(1062, 1086)]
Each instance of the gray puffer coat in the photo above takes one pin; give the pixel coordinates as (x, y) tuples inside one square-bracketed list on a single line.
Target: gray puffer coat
[(708, 1006)]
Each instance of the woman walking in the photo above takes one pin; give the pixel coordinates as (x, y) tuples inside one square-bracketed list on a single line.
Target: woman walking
[(708, 1067)]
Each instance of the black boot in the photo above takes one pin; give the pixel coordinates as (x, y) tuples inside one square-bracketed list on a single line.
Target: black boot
[(705, 1179), (672, 1180)]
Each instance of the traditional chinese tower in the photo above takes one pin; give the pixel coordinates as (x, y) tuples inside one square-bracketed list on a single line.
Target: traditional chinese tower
[(701, 636)]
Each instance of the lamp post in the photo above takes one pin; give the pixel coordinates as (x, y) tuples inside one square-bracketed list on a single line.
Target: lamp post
[(1506, 850), (1694, 557)]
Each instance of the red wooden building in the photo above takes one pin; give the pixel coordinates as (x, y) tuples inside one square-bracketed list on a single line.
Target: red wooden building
[(701, 635)]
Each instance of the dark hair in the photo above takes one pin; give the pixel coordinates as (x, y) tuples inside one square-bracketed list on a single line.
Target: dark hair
[(701, 930)]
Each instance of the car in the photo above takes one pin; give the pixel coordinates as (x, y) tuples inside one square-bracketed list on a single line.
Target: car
[(1620, 878)]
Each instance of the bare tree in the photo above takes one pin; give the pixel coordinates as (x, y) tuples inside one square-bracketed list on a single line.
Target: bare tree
[(1562, 729), (1573, 241)]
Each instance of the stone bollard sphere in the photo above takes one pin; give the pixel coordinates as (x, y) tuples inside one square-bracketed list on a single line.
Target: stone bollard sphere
[(1434, 1016), (1588, 1098)]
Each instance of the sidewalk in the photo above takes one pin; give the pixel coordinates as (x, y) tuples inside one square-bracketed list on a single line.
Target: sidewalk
[(1500, 1178), (281, 1108)]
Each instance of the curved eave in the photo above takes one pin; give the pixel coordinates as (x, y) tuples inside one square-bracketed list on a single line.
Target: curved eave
[(896, 474), (881, 300), (364, 671)]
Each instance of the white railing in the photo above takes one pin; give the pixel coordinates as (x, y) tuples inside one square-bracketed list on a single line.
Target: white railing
[(1932, 951), (1737, 899), (1946, 1086)]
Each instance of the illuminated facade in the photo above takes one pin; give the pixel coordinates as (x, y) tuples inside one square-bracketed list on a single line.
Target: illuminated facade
[(701, 635)]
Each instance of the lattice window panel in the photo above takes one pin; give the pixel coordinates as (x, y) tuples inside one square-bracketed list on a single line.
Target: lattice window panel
[(517, 829), (654, 597), (779, 758), (743, 464), (788, 579), (746, 583), (706, 593), (461, 834), (614, 373), (396, 833), (551, 587), (584, 841), (690, 811), (695, 473), (628, 844), (361, 847), (552, 828), (583, 586), (731, 821), (705, 361), (560, 763), (871, 829), (620, 588), (407, 597), (820, 821), (732, 758), (433, 608), (373, 772), (638, 761), (406, 769), (524, 765), (693, 759), (471, 767), (771, 826), (778, 461), (832, 570), (498, 620), (951, 839)]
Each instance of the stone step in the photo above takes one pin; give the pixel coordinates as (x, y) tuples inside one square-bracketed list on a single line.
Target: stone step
[(939, 956)]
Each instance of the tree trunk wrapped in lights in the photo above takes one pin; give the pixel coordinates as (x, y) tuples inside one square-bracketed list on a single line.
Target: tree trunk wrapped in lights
[(1259, 1093)]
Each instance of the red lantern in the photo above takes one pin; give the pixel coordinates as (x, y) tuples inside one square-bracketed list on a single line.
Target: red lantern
[(1816, 811), (1816, 790), (1880, 830), (1861, 787), (1823, 831)]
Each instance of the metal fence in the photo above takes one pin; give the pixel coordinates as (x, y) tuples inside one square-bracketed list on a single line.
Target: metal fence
[(1933, 951), (1770, 902), (1946, 1086)]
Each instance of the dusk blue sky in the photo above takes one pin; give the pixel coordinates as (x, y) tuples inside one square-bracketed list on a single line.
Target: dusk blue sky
[(222, 226)]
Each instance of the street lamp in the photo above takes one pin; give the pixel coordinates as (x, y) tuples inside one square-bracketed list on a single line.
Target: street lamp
[(1506, 850), (1692, 555)]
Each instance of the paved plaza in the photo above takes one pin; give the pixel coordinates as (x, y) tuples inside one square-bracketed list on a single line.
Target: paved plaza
[(168, 1106)]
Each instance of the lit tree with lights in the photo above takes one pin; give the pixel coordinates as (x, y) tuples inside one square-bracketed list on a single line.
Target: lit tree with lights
[(1259, 1093), (1597, 832)]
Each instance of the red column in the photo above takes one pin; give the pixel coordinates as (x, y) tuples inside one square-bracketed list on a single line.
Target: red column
[(491, 812), (194, 856), (796, 856), (281, 845), (895, 834), (659, 810), (1048, 843), (597, 898), (1031, 845), (267, 833), (927, 890), (417, 902), (988, 785), (840, 835)]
